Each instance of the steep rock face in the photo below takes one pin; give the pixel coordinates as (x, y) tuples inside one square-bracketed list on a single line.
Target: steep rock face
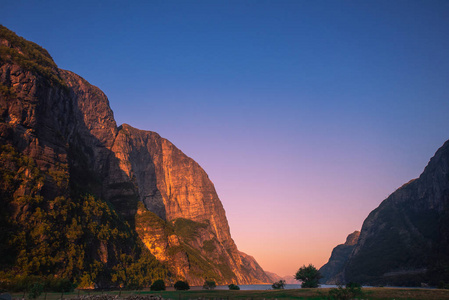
[(251, 266), (54, 131), (64, 161), (405, 240), (332, 270), (175, 189)]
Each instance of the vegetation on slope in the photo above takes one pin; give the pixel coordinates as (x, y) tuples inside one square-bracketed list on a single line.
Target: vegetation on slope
[(201, 261), (28, 55), (81, 239)]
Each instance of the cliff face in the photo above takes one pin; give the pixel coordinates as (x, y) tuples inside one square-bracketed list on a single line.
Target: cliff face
[(405, 240), (251, 266), (181, 197), (148, 200), (55, 133), (332, 270)]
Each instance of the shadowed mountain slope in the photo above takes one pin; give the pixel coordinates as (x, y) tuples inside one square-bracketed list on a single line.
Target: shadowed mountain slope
[(332, 270), (405, 241)]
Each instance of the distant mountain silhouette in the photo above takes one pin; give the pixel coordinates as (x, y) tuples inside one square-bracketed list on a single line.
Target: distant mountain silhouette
[(332, 270), (405, 241)]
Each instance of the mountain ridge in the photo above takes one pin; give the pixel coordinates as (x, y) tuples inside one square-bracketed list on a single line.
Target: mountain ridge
[(332, 270)]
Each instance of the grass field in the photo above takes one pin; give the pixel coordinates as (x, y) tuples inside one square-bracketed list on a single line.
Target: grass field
[(370, 293)]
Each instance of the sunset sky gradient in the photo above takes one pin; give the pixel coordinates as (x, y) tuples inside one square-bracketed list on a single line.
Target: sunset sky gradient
[(305, 114)]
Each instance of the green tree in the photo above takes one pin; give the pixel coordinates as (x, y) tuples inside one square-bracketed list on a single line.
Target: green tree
[(182, 286), (278, 285), (158, 285), (209, 285), (233, 287), (309, 276), (36, 290)]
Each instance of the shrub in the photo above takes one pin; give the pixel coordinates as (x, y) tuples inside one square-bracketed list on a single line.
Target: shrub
[(26, 283), (278, 285), (182, 286), (354, 285), (234, 287), (35, 290), (62, 285), (443, 285), (352, 291), (209, 285), (158, 285)]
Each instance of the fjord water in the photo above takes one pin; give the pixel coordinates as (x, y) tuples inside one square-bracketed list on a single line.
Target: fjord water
[(259, 287)]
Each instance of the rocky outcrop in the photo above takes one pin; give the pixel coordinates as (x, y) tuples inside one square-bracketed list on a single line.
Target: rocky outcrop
[(405, 240), (332, 271), (155, 195), (251, 266)]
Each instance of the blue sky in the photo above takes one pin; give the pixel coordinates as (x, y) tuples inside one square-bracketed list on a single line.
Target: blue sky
[(305, 114)]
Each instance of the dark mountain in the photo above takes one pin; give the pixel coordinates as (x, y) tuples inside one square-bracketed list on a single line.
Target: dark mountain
[(96, 203), (405, 241), (332, 270)]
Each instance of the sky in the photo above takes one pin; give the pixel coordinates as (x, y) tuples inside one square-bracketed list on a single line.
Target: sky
[(304, 114)]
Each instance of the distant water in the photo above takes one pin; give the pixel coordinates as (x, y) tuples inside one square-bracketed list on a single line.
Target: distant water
[(259, 287)]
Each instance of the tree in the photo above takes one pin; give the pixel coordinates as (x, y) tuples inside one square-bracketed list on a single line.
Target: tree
[(233, 287), (309, 276), (182, 286), (36, 290), (278, 285), (209, 285), (158, 285)]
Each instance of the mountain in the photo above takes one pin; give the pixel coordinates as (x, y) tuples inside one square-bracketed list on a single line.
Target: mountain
[(94, 202), (405, 241), (275, 278), (253, 268), (332, 270)]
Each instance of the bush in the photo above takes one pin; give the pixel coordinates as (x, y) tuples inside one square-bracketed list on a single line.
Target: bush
[(234, 287), (182, 286), (158, 285), (35, 290), (443, 285), (352, 291), (353, 285), (209, 285), (63, 286), (26, 283), (278, 285)]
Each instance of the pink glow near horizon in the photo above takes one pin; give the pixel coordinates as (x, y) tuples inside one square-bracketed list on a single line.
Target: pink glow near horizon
[(290, 205), (305, 114)]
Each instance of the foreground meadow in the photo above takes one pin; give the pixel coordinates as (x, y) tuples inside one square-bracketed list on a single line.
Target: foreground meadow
[(370, 293)]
